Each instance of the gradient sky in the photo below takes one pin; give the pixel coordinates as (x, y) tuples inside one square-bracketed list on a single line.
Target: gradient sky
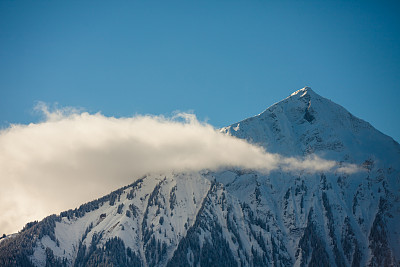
[(222, 60)]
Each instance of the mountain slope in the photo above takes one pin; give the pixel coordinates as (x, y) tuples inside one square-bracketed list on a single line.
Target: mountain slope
[(243, 217)]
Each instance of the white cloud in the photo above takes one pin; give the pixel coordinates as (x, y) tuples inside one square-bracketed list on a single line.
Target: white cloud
[(72, 157)]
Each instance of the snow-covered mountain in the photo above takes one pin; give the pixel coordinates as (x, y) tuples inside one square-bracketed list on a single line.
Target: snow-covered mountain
[(239, 217)]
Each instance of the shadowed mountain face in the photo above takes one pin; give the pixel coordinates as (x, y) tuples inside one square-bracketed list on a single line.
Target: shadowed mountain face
[(241, 217)]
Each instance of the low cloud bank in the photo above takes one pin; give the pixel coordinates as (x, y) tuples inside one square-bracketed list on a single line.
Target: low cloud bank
[(73, 157)]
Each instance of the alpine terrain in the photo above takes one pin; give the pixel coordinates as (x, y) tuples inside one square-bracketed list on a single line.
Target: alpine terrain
[(238, 217)]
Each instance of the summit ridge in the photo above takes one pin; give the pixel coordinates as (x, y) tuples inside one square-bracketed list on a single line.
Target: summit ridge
[(303, 91)]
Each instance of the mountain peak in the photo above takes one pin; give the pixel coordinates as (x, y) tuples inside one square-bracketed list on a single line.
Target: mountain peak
[(306, 123)]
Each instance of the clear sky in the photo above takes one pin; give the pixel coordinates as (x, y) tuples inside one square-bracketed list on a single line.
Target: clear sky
[(222, 60)]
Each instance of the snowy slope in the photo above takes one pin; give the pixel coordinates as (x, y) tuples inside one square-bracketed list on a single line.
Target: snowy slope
[(238, 217)]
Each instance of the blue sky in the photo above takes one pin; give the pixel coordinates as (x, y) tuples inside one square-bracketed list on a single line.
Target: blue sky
[(223, 60)]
